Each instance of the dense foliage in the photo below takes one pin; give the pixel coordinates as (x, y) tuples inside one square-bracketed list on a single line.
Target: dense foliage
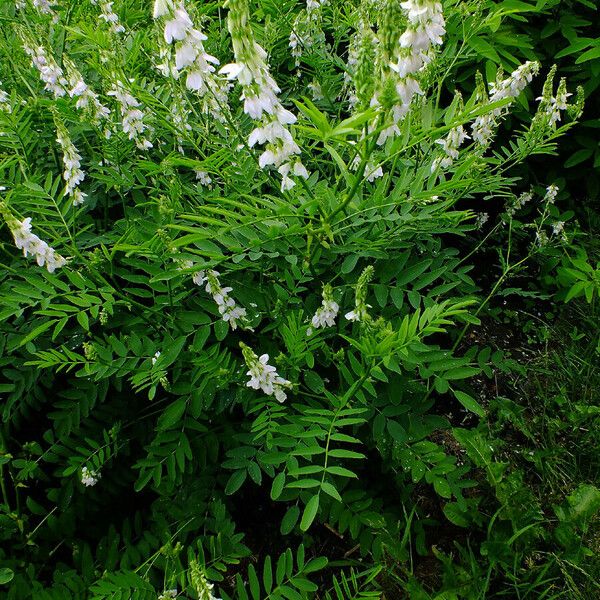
[(287, 302)]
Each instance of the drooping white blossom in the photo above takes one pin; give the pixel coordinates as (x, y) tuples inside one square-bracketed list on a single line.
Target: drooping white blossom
[(425, 30), (191, 58), (30, 243), (260, 96), (450, 145), (360, 312), (264, 376), (558, 227), (307, 30), (50, 73), (519, 203), (482, 219), (551, 193), (204, 178), (5, 101), (484, 125), (226, 305), (87, 99), (109, 15), (44, 6), (72, 174), (326, 314), (89, 477), (168, 594), (131, 114)]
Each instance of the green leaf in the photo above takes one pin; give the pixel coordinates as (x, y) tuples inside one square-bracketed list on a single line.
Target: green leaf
[(278, 484), (310, 512), (172, 414), (329, 489), (6, 575), (235, 481), (455, 515), (289, 520), (253, 582), (469, 403)]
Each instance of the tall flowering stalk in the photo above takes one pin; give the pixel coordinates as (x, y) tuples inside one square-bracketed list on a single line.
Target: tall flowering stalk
[(484, 125), (326, 314), (30, 243), (264, 376), (227, 306), (5, 101), (72, 174), (452, 142), (87, 99), (260, 98), (307, 30), (109, 15), (132, 115), (51, 74), (360, 312), (191, 57), (412, 51)]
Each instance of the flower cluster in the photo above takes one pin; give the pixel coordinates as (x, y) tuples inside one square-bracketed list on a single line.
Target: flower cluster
[(191, 56), (89, 478), (72, 174), (5, 102), (260, 98), (326, 314), (201, 585), (511, 87), (264, 376), (519, 203), (30, 243), (228, 309), (360, 312), (43, 6), (424, 31), (552, 106), (306, 31), (168, 594), (132, 116), (50, 73), (551, 193), (450, 145), (87, 99), (109, 15)]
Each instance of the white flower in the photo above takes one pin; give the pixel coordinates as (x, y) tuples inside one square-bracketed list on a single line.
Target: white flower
[(551, 193), (176, 28), (88, 477), (155, 357), (191, 56), (226, 305), (261, 102), (511, 87), (5, 102), (110, 17), (558, 227), (132, 116), (72, 174), (264, 376), (204, 178), (162, 8), (50, 73), (327, 313), (450, 144), (30, 243)]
